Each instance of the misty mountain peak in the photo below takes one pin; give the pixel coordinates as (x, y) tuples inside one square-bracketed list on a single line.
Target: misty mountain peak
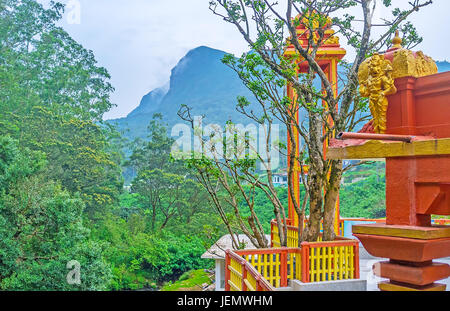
[(201, 81)]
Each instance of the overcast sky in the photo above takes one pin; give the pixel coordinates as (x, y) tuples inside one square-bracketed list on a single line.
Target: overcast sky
[(140, 41)]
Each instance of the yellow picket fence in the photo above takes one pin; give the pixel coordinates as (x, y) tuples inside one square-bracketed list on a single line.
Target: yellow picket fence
[(292, 232), (292, 236), (441, 222), (266, 269), (276, 265), (330, 261), (242, 276)]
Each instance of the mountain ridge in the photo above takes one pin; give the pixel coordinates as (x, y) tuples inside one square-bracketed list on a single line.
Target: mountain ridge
[(201, 81)]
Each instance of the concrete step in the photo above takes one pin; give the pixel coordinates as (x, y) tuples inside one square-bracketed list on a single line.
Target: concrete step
[(344, 285)]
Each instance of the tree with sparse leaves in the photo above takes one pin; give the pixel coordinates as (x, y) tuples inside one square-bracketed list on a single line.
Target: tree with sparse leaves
[(168, 190), (266, 25)]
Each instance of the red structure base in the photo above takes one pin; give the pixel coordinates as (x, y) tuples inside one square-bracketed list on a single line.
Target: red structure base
[(411, 265)]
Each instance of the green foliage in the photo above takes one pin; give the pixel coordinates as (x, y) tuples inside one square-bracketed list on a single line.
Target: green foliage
[(41, 229), (60, 165), (263, 207), (53, 97), (15, 165), (168, 190), (78, 156), (139, 258), (51, 67), (189, 281), (130, 204), (158, 230), (364, 198), (60, 173)]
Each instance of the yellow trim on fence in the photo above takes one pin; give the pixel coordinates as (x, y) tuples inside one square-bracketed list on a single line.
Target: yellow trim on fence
[(235, 271), (331, 263), (251, 283), (269, 264), (235, 268), (292, 237), (235, 288)]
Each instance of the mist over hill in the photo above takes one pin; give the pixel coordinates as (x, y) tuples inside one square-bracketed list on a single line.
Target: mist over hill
[(201, 81)]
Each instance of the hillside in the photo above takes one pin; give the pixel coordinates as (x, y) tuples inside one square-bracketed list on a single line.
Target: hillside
[(201, 81)]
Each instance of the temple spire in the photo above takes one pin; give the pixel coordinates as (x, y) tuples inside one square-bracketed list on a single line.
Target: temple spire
[(397, 41)]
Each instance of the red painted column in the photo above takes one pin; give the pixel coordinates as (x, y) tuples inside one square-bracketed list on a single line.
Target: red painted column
[(227, 270), (416, 188), (283, 268), (244, 275), (401, 114)]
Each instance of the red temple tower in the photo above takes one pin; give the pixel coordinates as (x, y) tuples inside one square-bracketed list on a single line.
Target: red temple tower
[(329, 54), (414, 137)]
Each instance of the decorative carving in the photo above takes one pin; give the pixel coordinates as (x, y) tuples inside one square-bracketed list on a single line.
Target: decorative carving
[(334, 40), (314, 20), (329, 38), (377, 74), (376, 82), (409, 64)]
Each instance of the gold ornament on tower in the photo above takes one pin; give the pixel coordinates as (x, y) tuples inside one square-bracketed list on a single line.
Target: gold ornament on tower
[(376, 83), (377, 74)]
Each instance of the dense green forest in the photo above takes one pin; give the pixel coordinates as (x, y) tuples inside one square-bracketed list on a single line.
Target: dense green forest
[(62, 194), (61, 187)]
